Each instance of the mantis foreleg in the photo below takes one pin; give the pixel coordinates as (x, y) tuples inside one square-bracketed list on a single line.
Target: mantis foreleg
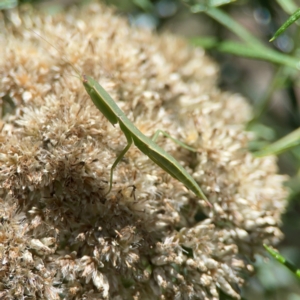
[(121, 155)]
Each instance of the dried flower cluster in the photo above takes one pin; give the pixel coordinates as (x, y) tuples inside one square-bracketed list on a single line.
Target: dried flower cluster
[(150, 238)]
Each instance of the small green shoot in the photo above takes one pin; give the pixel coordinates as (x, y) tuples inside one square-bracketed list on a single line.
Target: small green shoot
[(283, 261), (292, 19), (287, 142), (202, 5)]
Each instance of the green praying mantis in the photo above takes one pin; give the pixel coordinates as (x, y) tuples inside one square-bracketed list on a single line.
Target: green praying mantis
[(108, 107)]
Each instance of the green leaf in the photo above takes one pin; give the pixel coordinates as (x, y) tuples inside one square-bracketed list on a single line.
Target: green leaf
[(197, 6), (252, 48), (261, 53), (145, 5), (283, 261), (224, 19), (282, 145), (292, 19), (8, 4), (287, 5), (207, 42)]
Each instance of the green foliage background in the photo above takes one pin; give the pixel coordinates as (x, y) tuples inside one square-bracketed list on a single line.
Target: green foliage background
[(237, 35)]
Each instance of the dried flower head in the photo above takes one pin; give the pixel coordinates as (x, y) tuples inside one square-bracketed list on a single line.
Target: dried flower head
[(150, 238)]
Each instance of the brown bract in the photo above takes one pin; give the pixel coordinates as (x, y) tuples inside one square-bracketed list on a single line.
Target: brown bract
[(150, 238)]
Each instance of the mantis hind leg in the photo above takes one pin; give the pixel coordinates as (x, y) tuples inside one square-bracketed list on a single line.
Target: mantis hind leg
[(121, 155), (173, 139)]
